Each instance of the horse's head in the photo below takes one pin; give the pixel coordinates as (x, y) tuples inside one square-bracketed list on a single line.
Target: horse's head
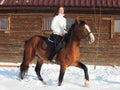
[(82, 31)]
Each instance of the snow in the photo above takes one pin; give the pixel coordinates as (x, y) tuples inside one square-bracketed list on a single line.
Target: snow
[(101, 78)]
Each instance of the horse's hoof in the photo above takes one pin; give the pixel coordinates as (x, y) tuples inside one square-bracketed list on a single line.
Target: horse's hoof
[(40, 78), (43, 82), (87, 84), (21, 75), (59, 84)]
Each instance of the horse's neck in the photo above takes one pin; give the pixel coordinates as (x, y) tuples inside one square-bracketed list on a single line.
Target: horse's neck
[(73, 46), (74, 40), (75, 50)]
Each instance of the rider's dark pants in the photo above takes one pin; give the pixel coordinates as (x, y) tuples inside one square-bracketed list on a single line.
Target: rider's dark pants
[(54, 45)]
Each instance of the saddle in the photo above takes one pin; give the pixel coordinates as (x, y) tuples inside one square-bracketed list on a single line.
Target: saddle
[(54, 44)]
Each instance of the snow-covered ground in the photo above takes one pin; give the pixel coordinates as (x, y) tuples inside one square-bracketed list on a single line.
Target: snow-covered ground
[(101, 78)]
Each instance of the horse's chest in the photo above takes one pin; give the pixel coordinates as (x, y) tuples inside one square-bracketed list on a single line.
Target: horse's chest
[(75, 52)]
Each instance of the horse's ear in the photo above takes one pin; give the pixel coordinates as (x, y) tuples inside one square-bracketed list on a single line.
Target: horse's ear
[(79, 21), (82, 22)]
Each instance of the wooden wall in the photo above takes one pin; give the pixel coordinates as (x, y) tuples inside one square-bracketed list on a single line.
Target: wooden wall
[(105, 50), (22, 27)]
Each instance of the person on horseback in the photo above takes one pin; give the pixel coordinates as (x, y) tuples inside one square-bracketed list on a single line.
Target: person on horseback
[(58, 27)]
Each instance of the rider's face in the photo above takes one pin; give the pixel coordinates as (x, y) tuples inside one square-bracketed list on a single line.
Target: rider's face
[(61, 10)]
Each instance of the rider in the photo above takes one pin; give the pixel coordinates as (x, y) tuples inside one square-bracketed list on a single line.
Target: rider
[(58, 27)]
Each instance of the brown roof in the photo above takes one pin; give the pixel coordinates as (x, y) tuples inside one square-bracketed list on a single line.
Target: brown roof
[(67, 3)]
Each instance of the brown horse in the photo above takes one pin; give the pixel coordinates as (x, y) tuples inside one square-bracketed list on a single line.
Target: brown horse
[(68, 55)]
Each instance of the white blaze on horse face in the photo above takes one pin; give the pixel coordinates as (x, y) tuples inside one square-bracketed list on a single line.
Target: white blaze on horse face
[(92, 38)]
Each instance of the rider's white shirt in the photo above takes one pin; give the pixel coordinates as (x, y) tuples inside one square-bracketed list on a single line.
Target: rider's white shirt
[(58, 24)]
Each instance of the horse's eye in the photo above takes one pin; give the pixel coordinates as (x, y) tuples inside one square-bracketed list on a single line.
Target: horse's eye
[(83, 27)]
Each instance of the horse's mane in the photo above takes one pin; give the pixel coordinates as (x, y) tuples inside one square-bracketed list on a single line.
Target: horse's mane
[(82, 22), (68, 35)]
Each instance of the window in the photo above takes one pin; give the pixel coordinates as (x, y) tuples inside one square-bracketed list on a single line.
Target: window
[(47, 23), (70, 21), (3, 24), (116, 25)]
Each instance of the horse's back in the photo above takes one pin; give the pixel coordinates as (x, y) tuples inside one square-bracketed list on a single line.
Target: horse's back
[(35, 41)]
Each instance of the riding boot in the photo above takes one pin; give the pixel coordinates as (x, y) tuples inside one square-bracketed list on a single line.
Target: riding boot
[(50, 58)]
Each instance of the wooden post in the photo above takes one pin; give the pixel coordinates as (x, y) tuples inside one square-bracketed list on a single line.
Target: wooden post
[(112, 25), (112, 29), (8, 31), (9, 24)]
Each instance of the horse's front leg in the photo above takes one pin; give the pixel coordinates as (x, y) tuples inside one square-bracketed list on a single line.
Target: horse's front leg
[(38, 69), (83, 66), (61, 75)]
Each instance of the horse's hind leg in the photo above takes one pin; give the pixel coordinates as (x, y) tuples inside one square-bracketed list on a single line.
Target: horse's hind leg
[(24, 66), (85, 69), (61, 75), (38, 69), (23, 69)]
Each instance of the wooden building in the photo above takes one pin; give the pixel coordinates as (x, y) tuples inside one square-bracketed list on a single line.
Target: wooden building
[(21, 19)]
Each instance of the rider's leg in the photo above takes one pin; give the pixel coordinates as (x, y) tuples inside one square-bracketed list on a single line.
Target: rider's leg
[(55, 47)]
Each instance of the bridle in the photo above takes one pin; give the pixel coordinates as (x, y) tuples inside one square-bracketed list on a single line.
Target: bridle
[(81, 29)]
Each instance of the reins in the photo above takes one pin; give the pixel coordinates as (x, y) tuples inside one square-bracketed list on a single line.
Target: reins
[(85, 36)]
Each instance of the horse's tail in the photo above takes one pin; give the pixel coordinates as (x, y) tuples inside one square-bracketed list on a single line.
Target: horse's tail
[(24, 50), (30, 48)]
